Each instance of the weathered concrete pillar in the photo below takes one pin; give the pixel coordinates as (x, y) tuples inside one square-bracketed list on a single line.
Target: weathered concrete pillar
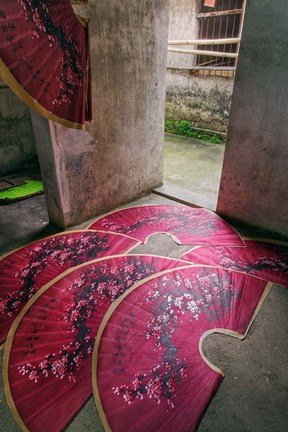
[(120, 156), (64, 156), (254, 178), (183, 25)]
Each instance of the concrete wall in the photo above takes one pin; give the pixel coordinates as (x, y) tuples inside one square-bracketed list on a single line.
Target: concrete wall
[(254, 178), (120, 156), (204, 101), (17, 143), (182, 25)]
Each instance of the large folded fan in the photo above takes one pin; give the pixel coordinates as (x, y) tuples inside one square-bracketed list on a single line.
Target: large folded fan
[(27, 269), (148, 373), (48, 353), (184, 224), (266, 260)]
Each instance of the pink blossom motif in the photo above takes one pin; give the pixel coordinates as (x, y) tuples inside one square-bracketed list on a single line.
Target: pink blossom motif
[(51, 349), (161, 386), (23, 272), (184, 224), (149, 366), (266, 260)]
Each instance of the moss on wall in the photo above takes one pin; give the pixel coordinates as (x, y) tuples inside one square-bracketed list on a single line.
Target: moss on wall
[(203, 101)]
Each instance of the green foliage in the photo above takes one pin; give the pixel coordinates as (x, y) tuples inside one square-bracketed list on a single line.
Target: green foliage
[(184, 128)]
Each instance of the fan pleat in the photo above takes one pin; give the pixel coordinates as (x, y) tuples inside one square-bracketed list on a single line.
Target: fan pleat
[(267, 260), (24, 272)]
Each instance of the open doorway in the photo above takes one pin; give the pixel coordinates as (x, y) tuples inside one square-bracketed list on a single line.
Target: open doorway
[(204, 38)]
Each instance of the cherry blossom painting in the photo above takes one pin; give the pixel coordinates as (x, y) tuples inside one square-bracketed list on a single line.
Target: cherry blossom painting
[(266, 260), (186, 225), (25, 270), (44, 58), (149, 372), (48, 353)]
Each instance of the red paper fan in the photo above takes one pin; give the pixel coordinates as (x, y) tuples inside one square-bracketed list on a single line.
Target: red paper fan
[(48, 353), (44, 58), (266, 260), (150, 373), (27, 269), (185, 224)]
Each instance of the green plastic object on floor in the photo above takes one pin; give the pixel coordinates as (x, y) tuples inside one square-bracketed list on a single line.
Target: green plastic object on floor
[(30, 188)]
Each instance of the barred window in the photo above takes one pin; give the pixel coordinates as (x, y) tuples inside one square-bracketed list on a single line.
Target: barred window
[(219, 19)]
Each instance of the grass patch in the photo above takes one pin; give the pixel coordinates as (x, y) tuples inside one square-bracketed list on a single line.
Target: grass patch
[(184, 128)]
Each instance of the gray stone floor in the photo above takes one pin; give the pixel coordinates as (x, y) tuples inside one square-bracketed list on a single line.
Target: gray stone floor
[(192, 171), (253, 395)]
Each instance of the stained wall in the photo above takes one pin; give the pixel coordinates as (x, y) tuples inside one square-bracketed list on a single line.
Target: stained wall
[(203, 100), (254, 178)]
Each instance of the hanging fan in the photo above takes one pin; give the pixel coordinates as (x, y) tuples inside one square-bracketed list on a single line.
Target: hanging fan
[(266, 260), (48, 352), (44, 58), (184, 224), (24, 271), (148, 373)]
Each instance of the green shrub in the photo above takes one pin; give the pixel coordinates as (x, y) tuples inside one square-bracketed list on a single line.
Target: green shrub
[(184, 128)]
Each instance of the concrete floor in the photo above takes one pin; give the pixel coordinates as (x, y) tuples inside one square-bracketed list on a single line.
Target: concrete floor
[(253, 395), (192, 171)]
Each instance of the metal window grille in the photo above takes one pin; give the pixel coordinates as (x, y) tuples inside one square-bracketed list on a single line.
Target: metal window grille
[(223, 21)]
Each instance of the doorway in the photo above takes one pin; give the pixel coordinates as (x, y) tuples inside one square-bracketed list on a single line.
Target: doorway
[(203, 44)]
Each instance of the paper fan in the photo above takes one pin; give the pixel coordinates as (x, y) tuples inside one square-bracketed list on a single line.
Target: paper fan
[(24, 271), (266, 260), (48, 353), (185, 224), (44, 58), (150, 373)]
